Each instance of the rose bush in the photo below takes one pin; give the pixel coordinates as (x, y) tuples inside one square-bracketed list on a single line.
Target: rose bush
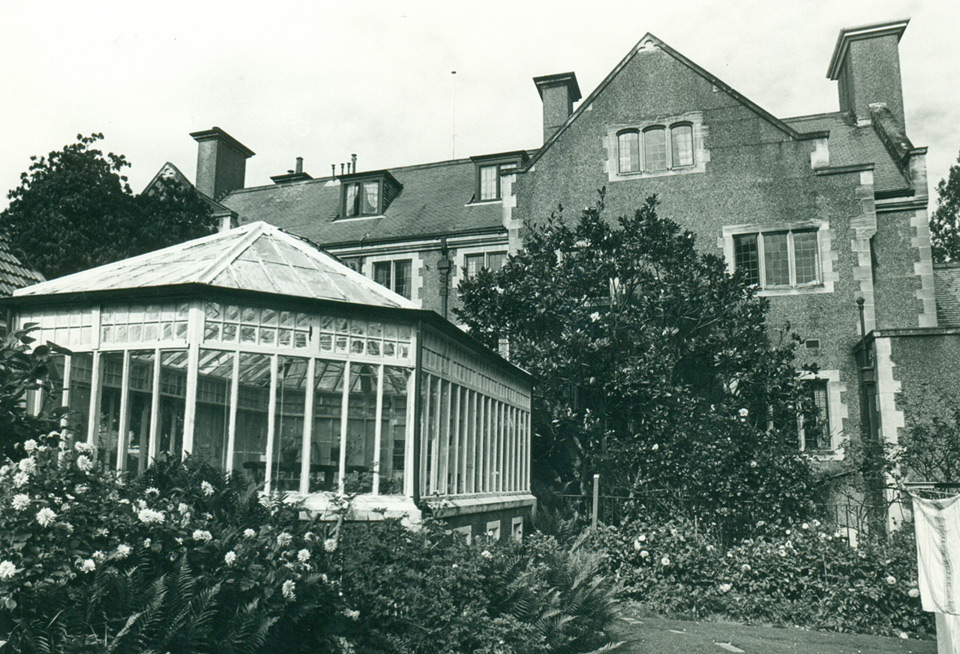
[(802, 574)]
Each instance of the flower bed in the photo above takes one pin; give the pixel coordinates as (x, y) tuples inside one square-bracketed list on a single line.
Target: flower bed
[(802, 575)]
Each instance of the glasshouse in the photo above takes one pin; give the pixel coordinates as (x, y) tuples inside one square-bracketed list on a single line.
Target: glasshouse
[(265, 355)]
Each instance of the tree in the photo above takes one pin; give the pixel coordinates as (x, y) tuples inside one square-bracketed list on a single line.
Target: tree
[(945, 221), (74, 210), (653, 366)]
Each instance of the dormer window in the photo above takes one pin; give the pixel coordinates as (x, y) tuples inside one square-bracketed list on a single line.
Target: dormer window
[(362, 199), (367, 194), (489, 169)]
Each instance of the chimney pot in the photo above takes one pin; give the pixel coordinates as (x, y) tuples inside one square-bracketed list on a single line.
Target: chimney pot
[(299, 168), (558, 93), (353, 162)]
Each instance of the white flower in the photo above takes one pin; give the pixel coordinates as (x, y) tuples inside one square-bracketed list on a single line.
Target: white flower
[(123, 551), (353, 614), (249, 533), (149, 515), (45, 516), (99, 556), (183, 508), (230, 557), (7, 570), (87, 565), (284, 539), (595, 316), (665, 560), (84, 448), (84, 463), (644, 554), (725, 588), (746, 567), (303, 556), (804, 526), (816, 523), (288, 589), (152, 491), (207, 488), (21, 501), (27, 465), (641, 538), (486, 554), (330, 544), (30, 445), (202, 534), (744, 412), (101, 532), (146, 543), (142, 504), (891, 580), (753, 464), (788, 532), (20, 479), (710, 548), (656, 446), (903, 635)]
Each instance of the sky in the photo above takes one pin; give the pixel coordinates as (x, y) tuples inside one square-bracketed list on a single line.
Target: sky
[(326, 80)]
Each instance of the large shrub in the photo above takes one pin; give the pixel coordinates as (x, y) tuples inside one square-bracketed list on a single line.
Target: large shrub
[(803, 575), (429, 591), (182, 560)]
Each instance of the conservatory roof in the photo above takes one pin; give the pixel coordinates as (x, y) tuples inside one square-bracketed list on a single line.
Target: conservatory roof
[(256, 257)]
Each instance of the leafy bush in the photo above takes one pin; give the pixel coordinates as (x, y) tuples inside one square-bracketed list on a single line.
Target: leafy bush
[(801, 575), (429, 591), (194, 563), (186, 559)]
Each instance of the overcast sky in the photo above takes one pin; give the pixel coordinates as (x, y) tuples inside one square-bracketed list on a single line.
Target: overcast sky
[(323, 81)]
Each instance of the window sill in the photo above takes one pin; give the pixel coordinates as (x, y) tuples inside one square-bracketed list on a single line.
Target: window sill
[(479, 203), (812, 289), (670, 172), (825, 455)]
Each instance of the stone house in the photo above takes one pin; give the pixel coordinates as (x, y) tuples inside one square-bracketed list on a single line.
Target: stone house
[(823, 210)]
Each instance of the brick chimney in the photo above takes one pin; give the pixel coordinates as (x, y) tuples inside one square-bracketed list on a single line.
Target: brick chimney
[(221, 162), (866, 63), (558, 93)]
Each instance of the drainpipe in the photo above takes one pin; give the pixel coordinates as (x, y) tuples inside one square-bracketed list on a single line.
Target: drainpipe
[(873, 440), (444, 266)]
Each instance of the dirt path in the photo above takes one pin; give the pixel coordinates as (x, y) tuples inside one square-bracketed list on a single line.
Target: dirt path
[(660, 636)]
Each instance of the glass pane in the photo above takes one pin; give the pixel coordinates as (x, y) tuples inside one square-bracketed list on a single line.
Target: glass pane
[(682, 142), (776, 260), (495, 260), (139, 410), (327, 409), (351, 203), (253, 399), (81, 368), (393, 430), (381, 273), (473, 263), (371, 198), (655, 149), (361, 428), (402, 278), (173, 387), (213, 407), (488, 183), (111, 378), (629, 148), (805, 255), (290, 411), (816, 422), (747, 257)]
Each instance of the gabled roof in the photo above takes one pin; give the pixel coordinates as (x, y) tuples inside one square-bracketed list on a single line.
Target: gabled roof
[(643, 44), (13, 274), (256, 257), (437, 199), (170, 171)]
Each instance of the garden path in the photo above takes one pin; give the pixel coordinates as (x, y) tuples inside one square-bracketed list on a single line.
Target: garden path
[(642, 635)]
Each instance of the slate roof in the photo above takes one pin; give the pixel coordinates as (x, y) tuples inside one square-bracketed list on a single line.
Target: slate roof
[(436, 199), (946, 279), (255, 257), (13, 274), (850, 144)]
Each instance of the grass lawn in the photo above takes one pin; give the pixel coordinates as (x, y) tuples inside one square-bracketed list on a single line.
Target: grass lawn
[(642, 635)]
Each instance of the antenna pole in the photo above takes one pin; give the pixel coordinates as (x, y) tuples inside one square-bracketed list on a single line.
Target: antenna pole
[(453, 139)]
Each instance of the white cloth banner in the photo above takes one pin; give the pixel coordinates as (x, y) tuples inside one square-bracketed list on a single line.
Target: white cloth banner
[(937, 524)]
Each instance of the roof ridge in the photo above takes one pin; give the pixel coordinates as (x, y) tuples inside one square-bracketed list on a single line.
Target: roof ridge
[(682, 59), (228, 257)]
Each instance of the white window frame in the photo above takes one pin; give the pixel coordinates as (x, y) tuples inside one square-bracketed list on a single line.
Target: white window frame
[(836, 410), (393, 273), (416, 268), (791, 258)]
